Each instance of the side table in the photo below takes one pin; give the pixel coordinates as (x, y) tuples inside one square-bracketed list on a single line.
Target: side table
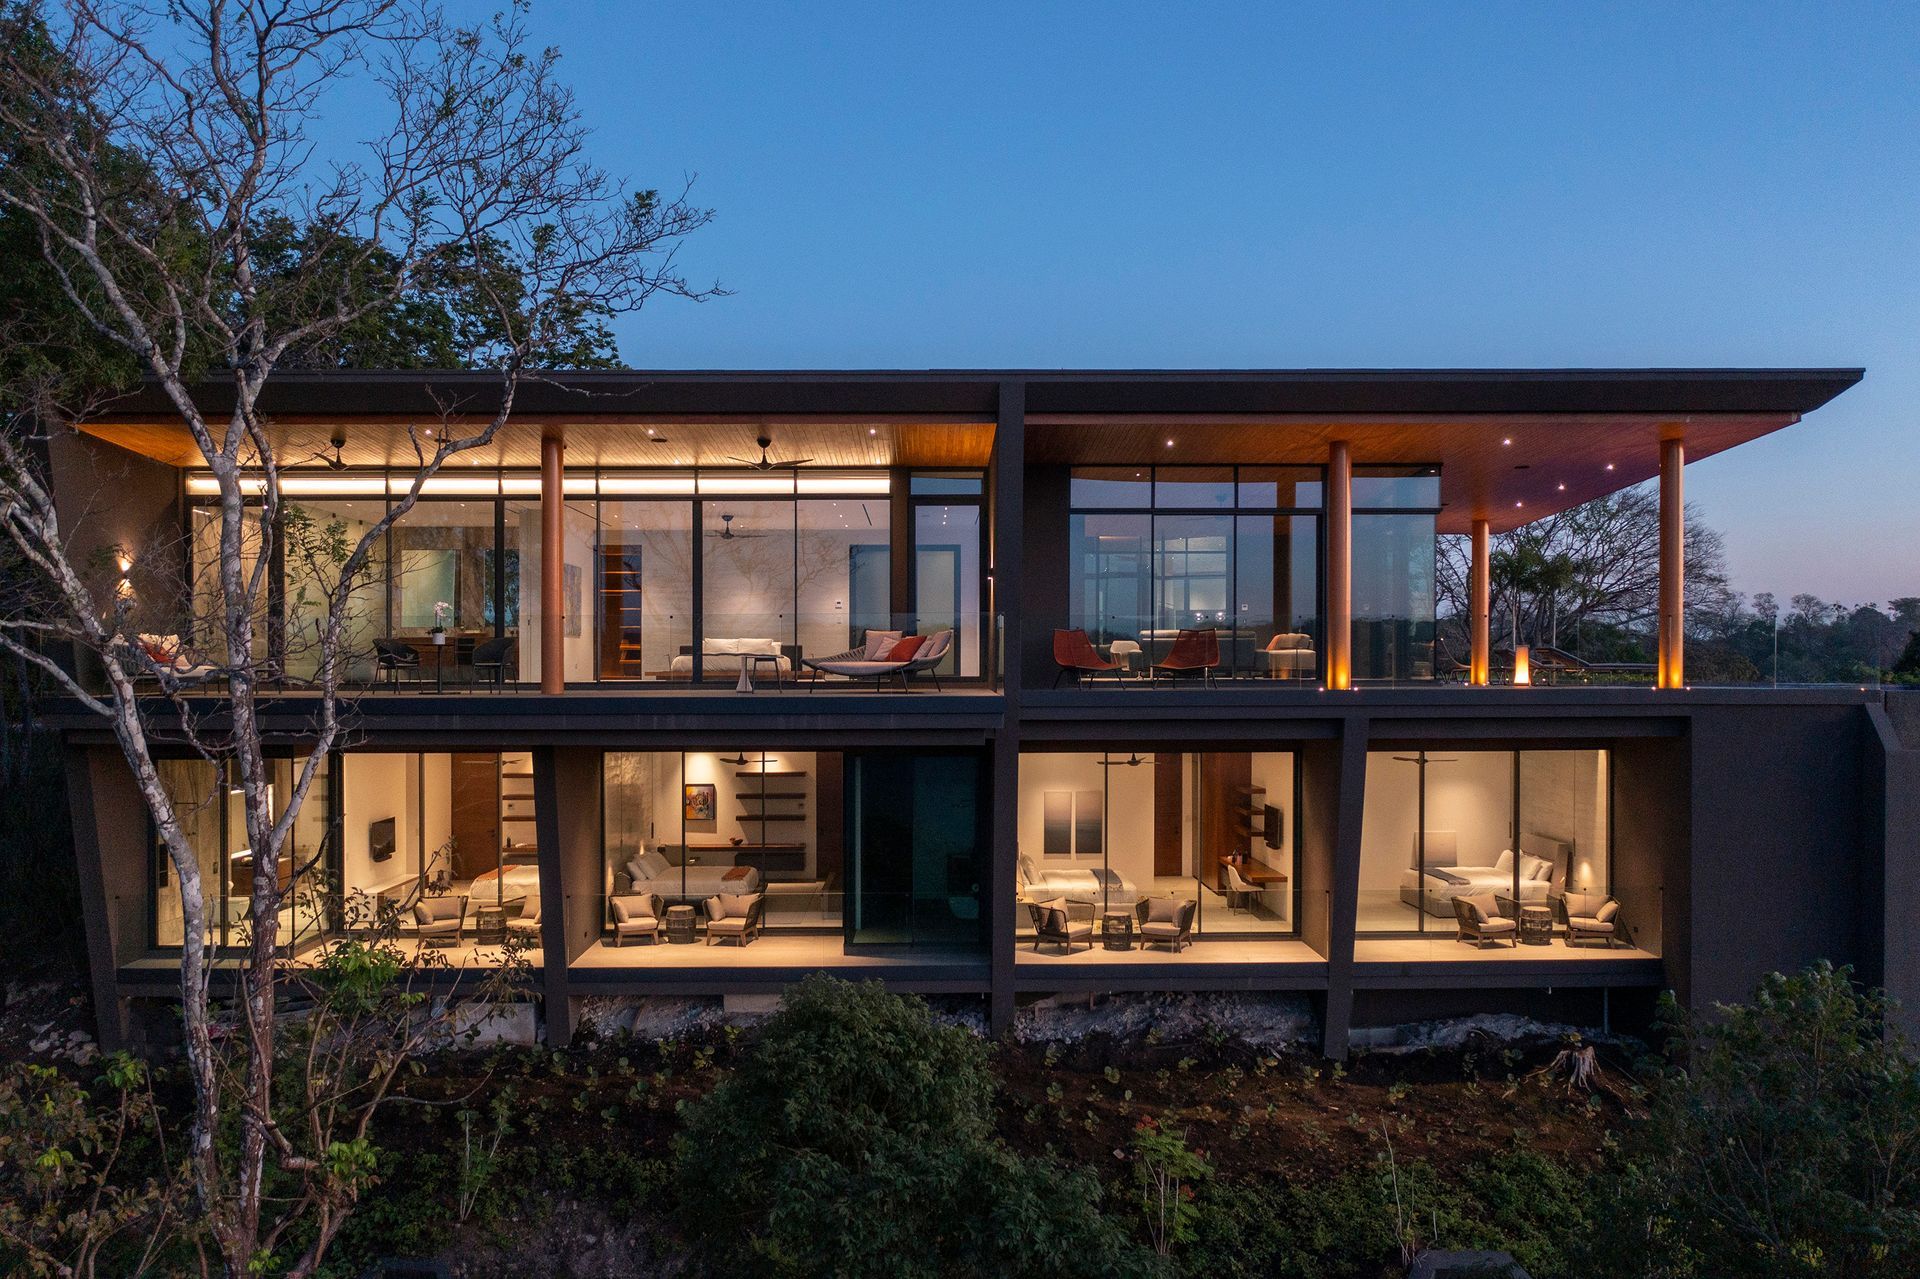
[(1536, 926), (1116, 929), (680, 925)]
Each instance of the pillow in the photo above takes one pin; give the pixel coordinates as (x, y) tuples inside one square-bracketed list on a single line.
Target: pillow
[(735, 905), (1163, 910), (905, 648), (1532, 867), (762, 647), (652, 865), (1504, 861), (635, 871), (1027, 873), (878, 642), (1484, 906)]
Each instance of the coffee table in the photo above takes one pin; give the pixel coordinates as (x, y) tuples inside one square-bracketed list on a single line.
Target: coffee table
[(680, 931)]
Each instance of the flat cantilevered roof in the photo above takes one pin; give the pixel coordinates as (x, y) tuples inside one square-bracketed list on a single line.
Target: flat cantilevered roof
[(1513, 444)]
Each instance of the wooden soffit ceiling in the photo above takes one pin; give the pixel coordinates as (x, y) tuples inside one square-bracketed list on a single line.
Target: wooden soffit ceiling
[(606, 441), (1508, 470)]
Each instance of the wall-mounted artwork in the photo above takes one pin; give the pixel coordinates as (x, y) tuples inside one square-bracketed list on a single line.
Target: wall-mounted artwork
[(698, 801), (1073, 824)]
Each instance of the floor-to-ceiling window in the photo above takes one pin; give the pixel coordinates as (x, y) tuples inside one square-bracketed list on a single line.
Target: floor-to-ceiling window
[(1107, 835), (1393, 563), (948, 566), (1235, 550), (318, 537), (1522, 827)]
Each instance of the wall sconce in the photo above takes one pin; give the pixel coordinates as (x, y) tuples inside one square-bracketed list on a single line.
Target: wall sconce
[(1522, 671)]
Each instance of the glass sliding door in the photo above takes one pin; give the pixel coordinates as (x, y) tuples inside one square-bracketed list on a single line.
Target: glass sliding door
[(842, 570), (315, 534), (1393, 571), (946, 580), (643, 573), (444, 573), (580, 601), (747, 558), (1438, 824), (916, 834)]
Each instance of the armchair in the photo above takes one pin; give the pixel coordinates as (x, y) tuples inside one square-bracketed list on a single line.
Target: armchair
[(1193, 650), (1167, 921), (440, 920), (490, 659), (1062, 922), (526, 925), (1590, 917), (635, 915), (1481, 922), (735, 915), (1075, 655), (391, 656)]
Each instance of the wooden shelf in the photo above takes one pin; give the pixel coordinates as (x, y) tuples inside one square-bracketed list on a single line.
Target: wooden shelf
[(515, 818), (746, 817), (751, 776), (772, 794)]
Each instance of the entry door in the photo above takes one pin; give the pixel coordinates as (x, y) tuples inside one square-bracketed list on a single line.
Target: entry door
[(476, 815), (937, 598)]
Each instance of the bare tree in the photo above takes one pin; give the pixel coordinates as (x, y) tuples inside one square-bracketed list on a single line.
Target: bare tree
[(1596, 563), (154, 150)]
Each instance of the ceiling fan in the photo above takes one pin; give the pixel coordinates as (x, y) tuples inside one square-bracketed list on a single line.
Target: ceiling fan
[(1132, 761), (726, 533), (337, 462), (766, 463)]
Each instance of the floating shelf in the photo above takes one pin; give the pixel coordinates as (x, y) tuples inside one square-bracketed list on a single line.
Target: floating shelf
[(748, 818), (751, 776), (772, 794)]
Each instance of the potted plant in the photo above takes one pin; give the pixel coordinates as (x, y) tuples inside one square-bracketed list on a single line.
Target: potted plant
[(442, 611)]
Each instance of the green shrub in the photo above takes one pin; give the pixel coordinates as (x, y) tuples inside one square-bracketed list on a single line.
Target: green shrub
[(1783, 1139), (856, 1139)]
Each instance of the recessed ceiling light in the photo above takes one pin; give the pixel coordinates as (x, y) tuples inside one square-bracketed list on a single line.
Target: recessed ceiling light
[(873, 430), (1519, 503), (1563, 488), (1609, 466), (1169, 443), (1508, 440)]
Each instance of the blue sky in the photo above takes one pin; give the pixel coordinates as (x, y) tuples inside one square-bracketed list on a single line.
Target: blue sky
[(1329, 185)]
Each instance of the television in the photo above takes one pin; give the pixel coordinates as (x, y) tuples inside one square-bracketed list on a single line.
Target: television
[(1274, 829), (380, 839)]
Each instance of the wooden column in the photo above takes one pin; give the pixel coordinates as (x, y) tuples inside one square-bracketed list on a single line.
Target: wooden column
[(1673, 566), (1339, 622), (553, 561), (1480, 663)]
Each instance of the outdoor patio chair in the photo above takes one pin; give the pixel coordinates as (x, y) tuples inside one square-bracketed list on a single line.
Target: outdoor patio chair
[(855, 664), (1590, 917), (1167, 921), (391, 656), (439, 921), (526, 925), (1075, 655), (490, 660), (735, 915), (1058, 923), (931, 654), (1481, 922), (1192, 651), (636, 915)]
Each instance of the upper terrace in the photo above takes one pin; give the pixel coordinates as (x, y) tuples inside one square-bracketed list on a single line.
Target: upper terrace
[(621, 534)]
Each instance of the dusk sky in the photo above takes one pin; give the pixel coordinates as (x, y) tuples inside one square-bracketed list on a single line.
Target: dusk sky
[(1275, 186)]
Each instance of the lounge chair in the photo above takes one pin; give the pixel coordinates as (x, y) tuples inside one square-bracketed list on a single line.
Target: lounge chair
[(1590, 917), (1062, 922), (1075, 655), (1481, 922), (1191, 651), (636, 915), (931, 654), (735, 915), (1167, 921), (439, 921), (890, 659)]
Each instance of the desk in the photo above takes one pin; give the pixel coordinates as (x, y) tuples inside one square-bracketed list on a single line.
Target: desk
[(1257, 873)]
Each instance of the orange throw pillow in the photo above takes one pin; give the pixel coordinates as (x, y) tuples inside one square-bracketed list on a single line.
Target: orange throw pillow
[(906, 648)]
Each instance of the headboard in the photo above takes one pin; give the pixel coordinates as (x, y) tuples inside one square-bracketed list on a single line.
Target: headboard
[(1547, 848)]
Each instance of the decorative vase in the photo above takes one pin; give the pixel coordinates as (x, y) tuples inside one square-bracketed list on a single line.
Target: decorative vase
[(439, 635)]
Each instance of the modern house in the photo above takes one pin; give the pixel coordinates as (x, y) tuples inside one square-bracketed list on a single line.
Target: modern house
[(999, 683)]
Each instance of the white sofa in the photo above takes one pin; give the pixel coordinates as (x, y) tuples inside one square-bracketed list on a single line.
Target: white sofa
[(1289, 655), (727, 656)]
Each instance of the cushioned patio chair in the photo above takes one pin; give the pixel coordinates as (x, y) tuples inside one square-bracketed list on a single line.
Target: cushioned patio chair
[(525, 927), (1192, 651), (1167, 921), (1481, 922), (635, 915), (735, 915), (886, 655), (1062, 922), (1590, 917), (1289, 655), (931, 654), (439, 921), (1075, 655)]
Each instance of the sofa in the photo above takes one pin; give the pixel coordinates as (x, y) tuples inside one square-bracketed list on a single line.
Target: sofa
[(1290, 655)]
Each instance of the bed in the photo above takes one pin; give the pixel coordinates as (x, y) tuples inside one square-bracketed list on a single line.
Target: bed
[(518, 879), (653, 873), (1543, 872), (1083, 882)]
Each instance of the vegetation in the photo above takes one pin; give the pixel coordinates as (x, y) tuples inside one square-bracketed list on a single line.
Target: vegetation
[(857, 1139)]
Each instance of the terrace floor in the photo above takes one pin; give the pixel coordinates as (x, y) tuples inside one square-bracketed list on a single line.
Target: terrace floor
[(769, 950), (1446, 949), (1202, 951)]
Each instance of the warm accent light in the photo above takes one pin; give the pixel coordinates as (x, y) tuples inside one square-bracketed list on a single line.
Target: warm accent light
[(1169, 443), (1609, 466), (1508, 440), (1522, 670)]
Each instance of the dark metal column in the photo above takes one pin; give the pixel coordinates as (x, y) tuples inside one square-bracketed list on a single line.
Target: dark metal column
[(1003, 566)]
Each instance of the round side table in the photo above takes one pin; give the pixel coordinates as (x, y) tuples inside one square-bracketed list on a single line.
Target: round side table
[(680, 925), (1116, 929), (1536, 926)]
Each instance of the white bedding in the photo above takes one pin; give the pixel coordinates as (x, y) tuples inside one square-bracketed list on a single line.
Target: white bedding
[(701, 881), (1480, 879), (517, 881), (1085, 883)]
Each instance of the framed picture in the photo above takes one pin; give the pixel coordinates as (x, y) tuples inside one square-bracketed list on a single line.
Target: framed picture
[(1056, 838), (698, 801)]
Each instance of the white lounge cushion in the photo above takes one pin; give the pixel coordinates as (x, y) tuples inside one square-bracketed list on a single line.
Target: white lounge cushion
[(878, 642)]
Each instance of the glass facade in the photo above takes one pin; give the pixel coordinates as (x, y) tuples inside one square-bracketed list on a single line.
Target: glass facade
[(1232, 550)]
